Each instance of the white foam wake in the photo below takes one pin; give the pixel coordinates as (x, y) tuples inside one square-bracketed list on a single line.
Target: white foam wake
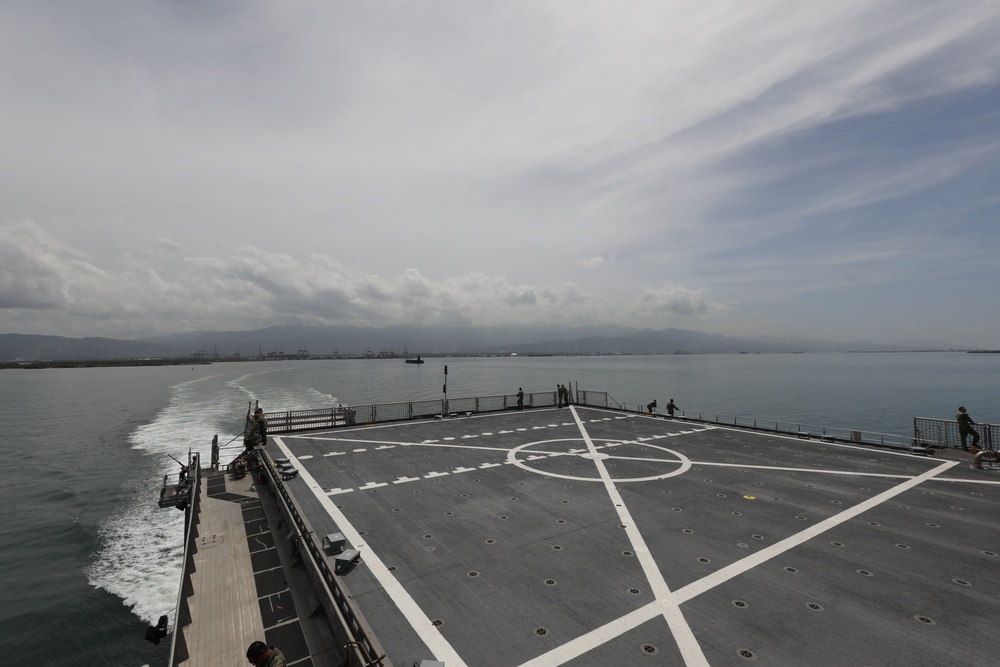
[(141, 546)]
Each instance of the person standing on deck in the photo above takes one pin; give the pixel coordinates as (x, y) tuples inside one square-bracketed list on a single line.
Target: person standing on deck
[(671, 406), (965, 425), (520, 398), (261, 655), (250, 432), (261, 422)]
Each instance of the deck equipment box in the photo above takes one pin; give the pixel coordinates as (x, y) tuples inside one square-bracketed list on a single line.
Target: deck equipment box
[(346, 560), (334, 543)]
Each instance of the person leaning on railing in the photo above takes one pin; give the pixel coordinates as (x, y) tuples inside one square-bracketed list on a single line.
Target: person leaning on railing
[(965, 424)]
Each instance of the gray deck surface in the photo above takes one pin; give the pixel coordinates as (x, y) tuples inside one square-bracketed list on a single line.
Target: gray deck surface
[(581, 536)]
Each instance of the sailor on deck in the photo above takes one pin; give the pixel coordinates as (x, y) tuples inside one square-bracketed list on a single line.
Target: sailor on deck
[(261, 655), (261, 421), (965, 425)]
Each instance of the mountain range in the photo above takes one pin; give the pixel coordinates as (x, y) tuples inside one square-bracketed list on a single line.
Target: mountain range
[(348, 341)]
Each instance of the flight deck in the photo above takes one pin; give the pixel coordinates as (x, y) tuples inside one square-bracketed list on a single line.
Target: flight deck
[(587, 536)]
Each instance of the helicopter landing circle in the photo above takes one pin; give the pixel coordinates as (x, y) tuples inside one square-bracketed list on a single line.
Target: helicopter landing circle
[(576, 447)]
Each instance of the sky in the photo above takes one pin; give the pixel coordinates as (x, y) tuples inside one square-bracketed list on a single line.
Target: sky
[(774, 168)]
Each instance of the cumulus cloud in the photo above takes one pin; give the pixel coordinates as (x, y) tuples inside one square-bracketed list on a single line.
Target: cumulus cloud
[(670, 299), (251, 287), (31, 269)]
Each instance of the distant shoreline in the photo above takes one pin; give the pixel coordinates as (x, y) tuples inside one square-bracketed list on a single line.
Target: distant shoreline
[(200, 361), (97, 363)]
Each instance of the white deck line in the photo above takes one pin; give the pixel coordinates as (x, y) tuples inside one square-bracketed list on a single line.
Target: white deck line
[(821, 471), (415, 616), (988, 482), (609, 631), (687, 643), (739, 567), (591, 640)]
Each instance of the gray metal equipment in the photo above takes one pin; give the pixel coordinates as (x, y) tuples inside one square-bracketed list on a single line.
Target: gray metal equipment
[(346, 560)]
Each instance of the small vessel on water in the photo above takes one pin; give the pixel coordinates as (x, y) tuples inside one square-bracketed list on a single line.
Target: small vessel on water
[(418, 360), (470, 532)]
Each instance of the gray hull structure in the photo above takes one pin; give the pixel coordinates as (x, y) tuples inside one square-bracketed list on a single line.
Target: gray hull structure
[(589, 536)]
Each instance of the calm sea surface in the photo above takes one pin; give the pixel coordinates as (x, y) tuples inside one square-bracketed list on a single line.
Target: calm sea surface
[(88, 560)]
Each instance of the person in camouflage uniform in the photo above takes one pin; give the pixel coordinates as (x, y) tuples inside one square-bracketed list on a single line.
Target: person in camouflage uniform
[(261, 421), (261, 655)]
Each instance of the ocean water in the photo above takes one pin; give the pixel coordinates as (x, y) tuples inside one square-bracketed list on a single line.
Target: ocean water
[(88, 560)]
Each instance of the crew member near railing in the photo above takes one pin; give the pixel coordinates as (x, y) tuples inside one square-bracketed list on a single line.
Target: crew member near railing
[(261, 421), (965, 424)]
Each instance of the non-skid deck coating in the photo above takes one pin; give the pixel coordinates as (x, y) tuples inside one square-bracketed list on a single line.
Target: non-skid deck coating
[(581, 536)]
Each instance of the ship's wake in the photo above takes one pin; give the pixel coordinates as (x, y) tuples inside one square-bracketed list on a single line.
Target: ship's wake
[(141, 546)]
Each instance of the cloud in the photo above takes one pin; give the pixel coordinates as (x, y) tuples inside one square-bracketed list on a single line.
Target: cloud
[(592, 262), (253, 288), (669, 299), (31, 275), (170, 167), (250, 288)]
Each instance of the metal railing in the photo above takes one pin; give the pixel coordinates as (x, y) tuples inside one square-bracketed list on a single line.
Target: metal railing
[(348, 415), (801, 429), (297, 420), (798, 429), (377, 413), (931, 432), (178, 644)]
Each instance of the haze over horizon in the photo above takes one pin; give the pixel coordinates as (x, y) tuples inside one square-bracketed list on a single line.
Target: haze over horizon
[(777, 168)]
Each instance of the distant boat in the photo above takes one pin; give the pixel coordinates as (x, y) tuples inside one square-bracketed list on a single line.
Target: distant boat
[(418, 360)]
